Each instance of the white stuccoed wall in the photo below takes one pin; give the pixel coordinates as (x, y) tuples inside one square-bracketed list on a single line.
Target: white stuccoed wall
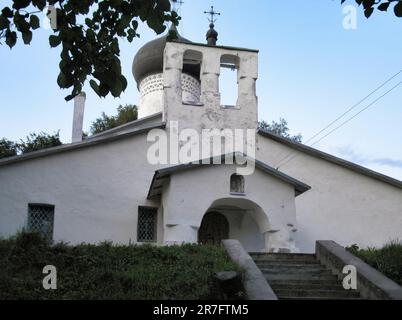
[(342, 205), (96, 191), (192, 193), (210, 114)]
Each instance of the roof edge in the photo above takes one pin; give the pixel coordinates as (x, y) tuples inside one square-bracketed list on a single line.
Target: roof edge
[(76, 146), (125, 125), (333, 159), (300, 187), (197, 44)]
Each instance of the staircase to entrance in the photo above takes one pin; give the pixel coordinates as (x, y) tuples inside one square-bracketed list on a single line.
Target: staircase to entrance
[(296, 276), (301, 277)]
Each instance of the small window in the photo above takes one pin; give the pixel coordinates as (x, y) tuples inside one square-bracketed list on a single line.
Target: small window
[(237, 184), (41, 219), (147, 222)]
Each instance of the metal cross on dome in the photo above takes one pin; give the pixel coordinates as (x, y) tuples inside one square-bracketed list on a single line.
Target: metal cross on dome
[(212, 13)]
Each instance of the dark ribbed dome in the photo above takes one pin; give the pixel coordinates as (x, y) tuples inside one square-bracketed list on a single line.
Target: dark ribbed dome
[(149, 59)]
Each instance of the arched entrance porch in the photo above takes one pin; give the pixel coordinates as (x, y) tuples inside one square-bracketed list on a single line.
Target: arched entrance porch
[(235, 218)]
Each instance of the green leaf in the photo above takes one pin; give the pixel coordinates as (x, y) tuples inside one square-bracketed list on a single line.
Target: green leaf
[(398, 9), (20, 23), (384, 6), (11, 38), (94, 86), (40, 4), (123, 83), (54, 41), (116, 89), (70, 97), (4, 22), (88, 22), (7, 12), (21, 4), (368, 12), (103, 90), (34, 22), (91, 36), (368, 3), (62, 80), (164, 5), (131, 35), (27, 37), (115, 47)]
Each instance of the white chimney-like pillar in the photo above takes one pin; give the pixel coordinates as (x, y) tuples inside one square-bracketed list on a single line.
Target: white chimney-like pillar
[(78, 118)]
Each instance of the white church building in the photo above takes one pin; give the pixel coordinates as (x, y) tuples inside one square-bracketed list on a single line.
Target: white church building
[(105, 187)]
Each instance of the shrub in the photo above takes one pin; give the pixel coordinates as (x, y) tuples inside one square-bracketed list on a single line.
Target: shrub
[(108, 271), (387, 260)]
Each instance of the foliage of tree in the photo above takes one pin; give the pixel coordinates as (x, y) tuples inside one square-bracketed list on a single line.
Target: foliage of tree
[(382, 5), (281, 129), (33, 142), (7, 148), (124, 115), (88, 32)]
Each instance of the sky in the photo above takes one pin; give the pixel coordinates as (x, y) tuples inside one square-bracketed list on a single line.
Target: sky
[(311, 70)]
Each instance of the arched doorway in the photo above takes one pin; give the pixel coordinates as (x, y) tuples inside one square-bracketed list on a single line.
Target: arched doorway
[(214, 228), (247, 220)]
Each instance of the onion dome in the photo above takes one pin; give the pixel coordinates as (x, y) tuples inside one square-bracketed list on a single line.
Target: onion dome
[(149, 59)]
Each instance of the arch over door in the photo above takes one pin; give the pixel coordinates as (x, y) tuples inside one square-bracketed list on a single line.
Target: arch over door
[(214, 228)]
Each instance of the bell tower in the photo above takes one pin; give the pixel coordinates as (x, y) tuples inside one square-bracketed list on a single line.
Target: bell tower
[(205, 110), (180, 79)]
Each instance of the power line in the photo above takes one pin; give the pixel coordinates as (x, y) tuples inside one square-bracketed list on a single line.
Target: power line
[(354, 106), (344, 123), (364, 109), (345, 113)]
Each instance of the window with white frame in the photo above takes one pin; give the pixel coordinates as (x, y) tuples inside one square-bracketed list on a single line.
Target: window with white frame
[(147, 224), (41, 219)]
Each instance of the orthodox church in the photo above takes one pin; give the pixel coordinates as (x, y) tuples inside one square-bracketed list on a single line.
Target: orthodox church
[(110, 187)]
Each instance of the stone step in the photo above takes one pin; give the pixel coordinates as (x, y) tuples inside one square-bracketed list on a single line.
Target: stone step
[(296, 285), (293, 268), (286, 263), (318, 298), (333, 281), (301, 277), (298, 277), (283, 256), (308, 271), (334, 294)]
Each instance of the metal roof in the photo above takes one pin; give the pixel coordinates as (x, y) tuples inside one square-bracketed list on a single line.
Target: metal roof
[(80, 145), (328, 157)]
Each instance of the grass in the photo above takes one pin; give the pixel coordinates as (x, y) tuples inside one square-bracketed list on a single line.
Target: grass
[(106, 271), (387, 260)]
